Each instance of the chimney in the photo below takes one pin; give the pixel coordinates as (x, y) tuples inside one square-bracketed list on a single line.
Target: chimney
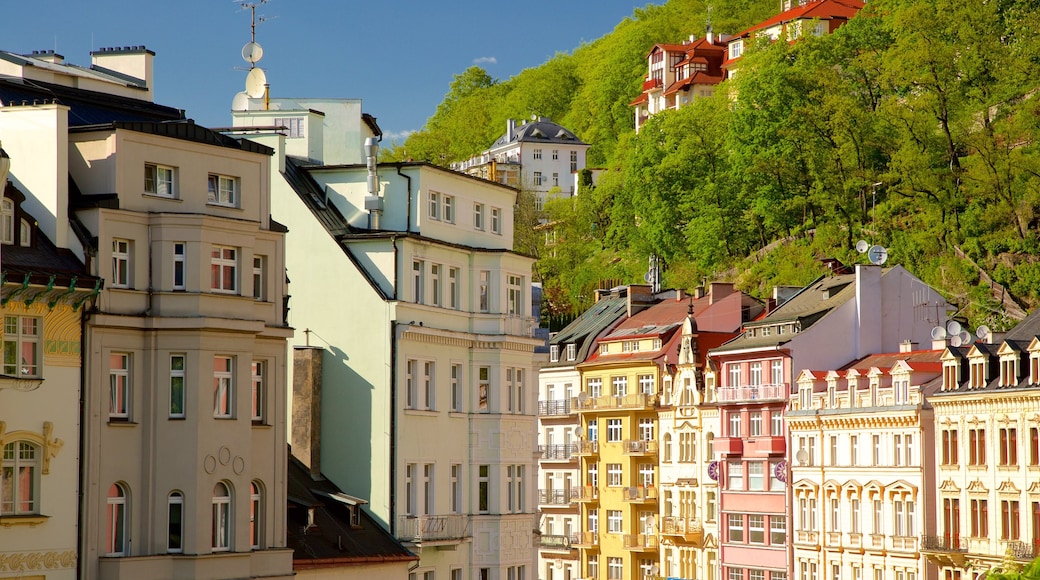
[(639, 297), (306, 407), (48, 56), (510, 129), (939, 344), (719, 290), (131, 61), (907, 346)]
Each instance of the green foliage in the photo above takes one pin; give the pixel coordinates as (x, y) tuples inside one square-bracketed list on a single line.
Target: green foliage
[(915, 126)]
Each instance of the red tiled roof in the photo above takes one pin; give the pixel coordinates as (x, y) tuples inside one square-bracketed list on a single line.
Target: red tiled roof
[(698, 78), (667, 47), (822, 9), (639, 100)]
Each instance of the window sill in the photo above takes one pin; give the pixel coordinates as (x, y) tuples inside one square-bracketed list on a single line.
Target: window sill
[(117, 422), (223, 206), (223, 418), (260, 424), (421, 412), (150, 195), (177, 418), (31, 520)]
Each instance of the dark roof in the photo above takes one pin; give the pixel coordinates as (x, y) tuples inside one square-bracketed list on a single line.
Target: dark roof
[(541, 130), (185, 130), (1026, 329), (332, 541), (584, 329), (85, 107)]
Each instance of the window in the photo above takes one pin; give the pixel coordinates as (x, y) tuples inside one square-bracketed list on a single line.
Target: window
[(1034, 448), (448, 208), (257, 398), (755, 424), (756, 475), (979, 518), (735, 524), (496, 220), (456, 388), (556, 179), (615, 568), (259, 279), (734, 424), (614, 475), (22, 346), (555, 154), (116, 541), (777, 530), (411, 387), (119, 386), (537, 178), (734, 375), (484, 289), (427, 488), (222, 387), (646, 384), (483, 487), (158, 180), (951, 518), (515, 294), (435, 205), (836, 514), (1008, 446), (409, 489), (7, 222), (853, 450), (755, 374), (614, 430), (120, 263), (593, 524), (756, 529), (429, 387), (453, 288), (179, 265), (177, 386), (19, 479), (876, 455), (221, 518), (904, 518), (574, 161), (435, 285), (537, 154), (256, 527), (478, 216), (224, 269), (223, 190), (735, 475), (976, 447), (418, 280), (293, 126), (949, 447), (483, 387), (456, 488), (175, 523), (619, 386), (614, 521), (1009, 516), (776, 424), (736, 48), (572, 352)]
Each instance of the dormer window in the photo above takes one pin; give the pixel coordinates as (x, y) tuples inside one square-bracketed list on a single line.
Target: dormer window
[(832, 397), (901, 389), (1034, 369), (554, 353), (736, 48), (977, 370), (805, 397), (572, 351), (7, 222), (604, 348), (766, 331), (657, 344), (949, 377), (1008, 372)]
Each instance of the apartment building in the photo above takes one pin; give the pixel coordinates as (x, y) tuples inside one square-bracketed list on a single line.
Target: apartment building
[(184, 356), (987, 449), (406, 287), (863, 471), (837, 318)]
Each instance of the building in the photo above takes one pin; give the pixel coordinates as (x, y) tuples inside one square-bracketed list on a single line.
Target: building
[(558, 429), (679, 73), (406, 288), (833, 320), (987, 448), (184, 358), (863, 473), (46, 291), (538, 155)]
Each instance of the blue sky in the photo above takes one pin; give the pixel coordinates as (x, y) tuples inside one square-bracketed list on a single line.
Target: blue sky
[(398, 57)]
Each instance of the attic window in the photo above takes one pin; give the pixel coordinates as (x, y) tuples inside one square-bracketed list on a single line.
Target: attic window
[(554, 353), (537, 133), (355, 516), (572, 351)]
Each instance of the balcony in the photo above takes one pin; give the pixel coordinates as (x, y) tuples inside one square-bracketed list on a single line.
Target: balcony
[(651, 84), (584, 494), (554, 497), (833, 539), (634, 401), (1022, 551), (689, 529), (765, 445), (855, 539), (586, 540), (559, 408), (640, 447), (753, 393), (729, 445), (640, 494), (520, 325), (640, 542), (587, 448), (806, 537), (876, 541), (433, 529), (557, 452), (945, 550), (557, 542)]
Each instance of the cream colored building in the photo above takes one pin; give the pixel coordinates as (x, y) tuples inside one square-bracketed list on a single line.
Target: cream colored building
[(862, 474), (183, 411)]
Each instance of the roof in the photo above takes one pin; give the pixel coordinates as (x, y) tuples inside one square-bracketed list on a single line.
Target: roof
[(85, 107), (818, 9), (589, 325), (697, 78), (541, 130), (184, 129), (332, 540), (1026, 329)]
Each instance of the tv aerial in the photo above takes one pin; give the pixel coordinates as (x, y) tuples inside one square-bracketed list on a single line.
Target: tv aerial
[(252, 52), (877, 255), (984, 333)]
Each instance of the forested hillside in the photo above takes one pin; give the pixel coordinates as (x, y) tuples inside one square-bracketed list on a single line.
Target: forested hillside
[(914, 126)]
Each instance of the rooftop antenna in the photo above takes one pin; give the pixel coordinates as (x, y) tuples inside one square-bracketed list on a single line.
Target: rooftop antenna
[(256, 80)]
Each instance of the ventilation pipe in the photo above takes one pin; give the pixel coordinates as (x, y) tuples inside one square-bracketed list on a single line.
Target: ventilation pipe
[(373, 202)]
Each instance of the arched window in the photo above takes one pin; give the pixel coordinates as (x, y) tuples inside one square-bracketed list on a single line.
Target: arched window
[(256, 522), (117, 543), (221, 518), (667, 444), (175, 533), (20, 479), (25, 234), (7, 221)]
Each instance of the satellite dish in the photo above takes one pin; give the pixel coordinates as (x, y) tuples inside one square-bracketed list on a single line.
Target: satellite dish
[(651, 521), (252, 52), (862, 246), (240, 102), (802, 456), (256, 83), (953, 327), (965, 337), (938, 333), (583, 396), (877, 255), (983, 333), (633, 492), (955, 340)]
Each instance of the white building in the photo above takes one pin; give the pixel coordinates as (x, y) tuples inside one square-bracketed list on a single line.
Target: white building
[(423, 311)]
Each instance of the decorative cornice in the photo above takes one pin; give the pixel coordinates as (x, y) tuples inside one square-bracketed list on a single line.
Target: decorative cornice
[(26, 561), (50, 445)]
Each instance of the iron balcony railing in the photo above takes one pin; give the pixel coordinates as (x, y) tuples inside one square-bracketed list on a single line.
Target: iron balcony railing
[(558, 451), (944, 544), (557, 542), (557, 408), (432, 528), (775, 392), (554, 497), (640, 447)]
